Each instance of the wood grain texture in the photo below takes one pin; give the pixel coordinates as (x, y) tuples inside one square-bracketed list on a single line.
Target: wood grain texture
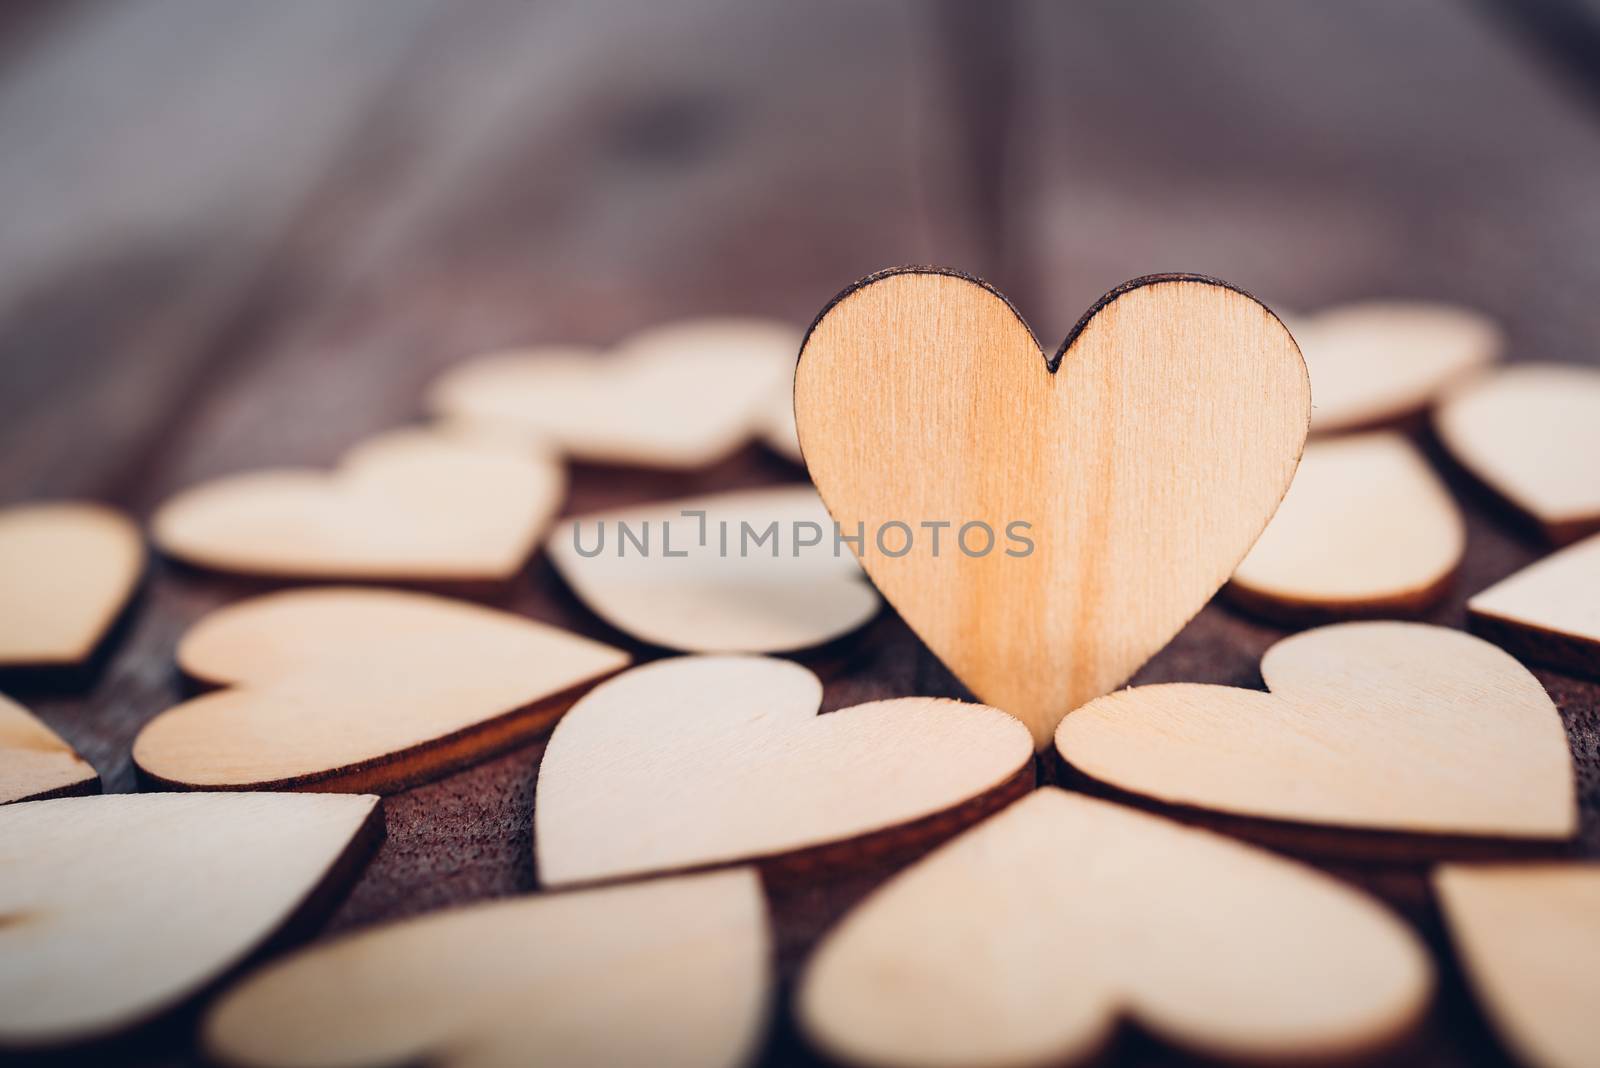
[(1548, 612), (1366, 529), (1529, 938), (1396, 726), (66, 571), (335, 688), (118, 908), (410, 505), (670, 972), (756, 571), (1024, 940), (35, 763), (389, 186), (922, 397), (1531, 434), (707, 760)]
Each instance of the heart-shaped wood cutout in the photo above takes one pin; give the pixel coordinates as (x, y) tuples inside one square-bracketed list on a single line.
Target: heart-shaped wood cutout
[(35, 763), (756, 571), (708, 760), (1383, 360), (1024, 940), (669, 972), (1399, 726), (118, 908), (1548, 611), (66, 570), (1528, 936), (679, 396), (410, 506), (1092, 502), (340, 689), (1531, 434), (1366, 529)]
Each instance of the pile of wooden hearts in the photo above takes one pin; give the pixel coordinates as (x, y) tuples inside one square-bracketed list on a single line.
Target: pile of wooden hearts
[(1145, 458)]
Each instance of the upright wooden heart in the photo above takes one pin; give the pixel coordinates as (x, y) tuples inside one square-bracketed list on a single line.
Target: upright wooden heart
[(668, 972), (35, 762), (1549, 611), (118, 908), (66, 570), (1144, 458), (1399, 726), (334, 688), (1024, 940), (406, 506), (711, 759), (1528, 936)]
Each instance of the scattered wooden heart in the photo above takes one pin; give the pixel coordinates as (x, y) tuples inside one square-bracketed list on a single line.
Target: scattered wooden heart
[(35, 763), (407, 506), (1531, 434), (705, 575), (118, 908), (1366, 529), (669, 972), (1529, 939), (1379, 361), (1548, 611), (1024, 940), (708, 760), (1398, 726), (66, 570), (1144, 459), (336, 688), (681, 396)]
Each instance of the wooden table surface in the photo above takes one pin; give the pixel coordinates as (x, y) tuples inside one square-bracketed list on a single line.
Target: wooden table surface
[(237, 234)]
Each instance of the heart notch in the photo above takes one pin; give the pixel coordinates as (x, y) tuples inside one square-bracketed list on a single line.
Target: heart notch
[(1120, 481)]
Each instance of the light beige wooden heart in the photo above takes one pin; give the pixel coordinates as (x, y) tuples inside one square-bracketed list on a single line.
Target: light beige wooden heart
[(708, 760), (410, 505), (1378, 361), (118, 908), (1528, 936), (66, 570), (335, 688), (1145, 459), (1366, 529), (1531, 433), (1024, 940), (1549, 611), (728, 573), (668, 972), (35, 763), (679, 396), (1399, 726)]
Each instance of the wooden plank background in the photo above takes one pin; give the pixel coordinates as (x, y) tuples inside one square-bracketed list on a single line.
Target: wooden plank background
[(237, 234)]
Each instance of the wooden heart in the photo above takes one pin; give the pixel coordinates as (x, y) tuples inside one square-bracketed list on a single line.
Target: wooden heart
[(1548, 611), (35, 763), (66, 570), (339, 689), (1366, 529), (1528, 936), (1145, 459), (1399, 726), (669, 972), (118, 908), (1531, 434), (689, 575), (411, 505), (679, 396), (1025, 939), (1383, 360), (708, 760)]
